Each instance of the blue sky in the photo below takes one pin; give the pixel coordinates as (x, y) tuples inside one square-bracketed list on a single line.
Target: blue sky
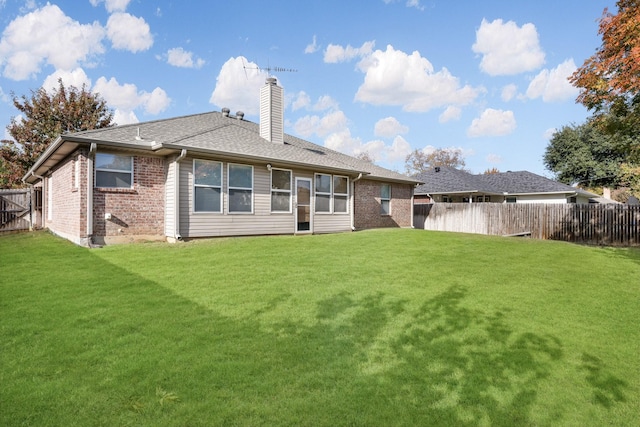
[(383, 76)]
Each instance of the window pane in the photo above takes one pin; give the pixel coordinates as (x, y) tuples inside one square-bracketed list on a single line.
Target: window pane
[(385, 191), (240, 176), (340, 185), (207, 199), (207, 173), (323, 203), (384, 207), (340, 204), (114, 162), (280, 180), (280, 202), (113, 179), (323, 183), (240, 200)]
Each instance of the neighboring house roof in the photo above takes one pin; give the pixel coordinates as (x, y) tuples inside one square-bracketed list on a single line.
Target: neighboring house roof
[(447, 180), (215, 134)]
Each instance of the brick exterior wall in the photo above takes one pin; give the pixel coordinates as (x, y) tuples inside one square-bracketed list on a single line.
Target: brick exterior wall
[(137, 211), (367, 205), (68, 201)]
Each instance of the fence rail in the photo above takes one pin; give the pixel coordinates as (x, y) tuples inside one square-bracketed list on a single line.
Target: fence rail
[(14, 210), (615, 225)]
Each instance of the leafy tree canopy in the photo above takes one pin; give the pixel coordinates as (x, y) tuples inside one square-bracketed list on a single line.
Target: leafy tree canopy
[(609, 81), (586, 155), (44, 116), (418, 161)]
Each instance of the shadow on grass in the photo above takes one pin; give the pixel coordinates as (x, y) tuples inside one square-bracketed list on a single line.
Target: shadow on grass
[(607, 389)]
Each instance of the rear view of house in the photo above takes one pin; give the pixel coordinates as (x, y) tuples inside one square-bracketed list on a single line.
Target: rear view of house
[(211, 174)]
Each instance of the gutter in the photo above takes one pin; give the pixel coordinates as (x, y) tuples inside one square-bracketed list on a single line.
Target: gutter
[(176, 195), (353, 201), (90, 160)]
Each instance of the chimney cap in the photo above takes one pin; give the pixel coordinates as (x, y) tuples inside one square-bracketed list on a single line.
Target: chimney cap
[(271, 81)]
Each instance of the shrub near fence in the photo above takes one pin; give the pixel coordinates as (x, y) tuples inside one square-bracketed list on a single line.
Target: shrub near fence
[(615, 225)]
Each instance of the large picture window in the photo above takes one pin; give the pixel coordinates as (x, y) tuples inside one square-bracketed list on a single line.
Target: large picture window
[(280, 190), (114, 171), (207, 186), (385, 199), (240, 188)]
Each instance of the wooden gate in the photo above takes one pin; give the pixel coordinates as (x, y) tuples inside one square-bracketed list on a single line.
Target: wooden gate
[(15, 210)]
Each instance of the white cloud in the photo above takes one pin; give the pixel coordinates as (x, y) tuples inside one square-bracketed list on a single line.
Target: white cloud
[(126, 98), (509, 92), (301, 100), (450, 113), (112, 5), (492, 123), (508, 49), (415, 3), (548, 134), (553, 85), (313, 47), (76, 77), (178, 57), (127, 32), (332, 122), (325, 102), (238, 85), (44, 36), (124, 117), (394, 78), (389, 127), (336, 53)]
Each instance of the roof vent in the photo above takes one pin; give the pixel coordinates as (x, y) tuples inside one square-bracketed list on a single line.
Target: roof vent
[(226, 111), (437, 168), (240, 115)]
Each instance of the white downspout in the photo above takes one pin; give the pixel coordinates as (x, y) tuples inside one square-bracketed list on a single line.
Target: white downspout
[(176, 195), (353, 202), (90, 158)]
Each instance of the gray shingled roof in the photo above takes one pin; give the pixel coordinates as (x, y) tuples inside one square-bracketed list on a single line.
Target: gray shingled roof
[(217, 134), (450, 181)]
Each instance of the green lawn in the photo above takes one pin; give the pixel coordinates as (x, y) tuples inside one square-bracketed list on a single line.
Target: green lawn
[(375, 328)]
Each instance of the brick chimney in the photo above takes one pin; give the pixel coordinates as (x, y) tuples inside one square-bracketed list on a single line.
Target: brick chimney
[(272, 111)]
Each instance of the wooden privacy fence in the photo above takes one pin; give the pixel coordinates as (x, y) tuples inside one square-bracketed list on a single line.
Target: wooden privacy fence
[(14, 210), (616, 225)]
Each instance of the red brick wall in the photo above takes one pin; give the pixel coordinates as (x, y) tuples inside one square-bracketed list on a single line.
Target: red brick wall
[(69, 212), (367, 205), (137, 211)]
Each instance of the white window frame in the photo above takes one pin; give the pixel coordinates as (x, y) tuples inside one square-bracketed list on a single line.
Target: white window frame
[(385, 199), (345, 195), (103, 170), (279, 190), (195, 185), (229, 188), (323, 193)]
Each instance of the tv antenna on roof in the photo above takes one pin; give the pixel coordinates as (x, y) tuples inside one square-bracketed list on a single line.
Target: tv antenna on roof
[(268, 69)]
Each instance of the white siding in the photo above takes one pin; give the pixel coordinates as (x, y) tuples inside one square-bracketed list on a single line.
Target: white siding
[(170, 207), (260, 222)]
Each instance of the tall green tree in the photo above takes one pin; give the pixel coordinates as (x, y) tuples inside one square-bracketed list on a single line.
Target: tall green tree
[(418, 161), (585, 155), (44, 116)]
